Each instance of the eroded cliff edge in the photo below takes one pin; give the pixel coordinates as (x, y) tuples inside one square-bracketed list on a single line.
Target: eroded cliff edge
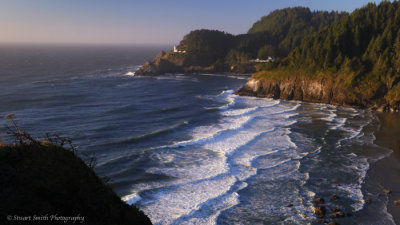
[(318, 90)]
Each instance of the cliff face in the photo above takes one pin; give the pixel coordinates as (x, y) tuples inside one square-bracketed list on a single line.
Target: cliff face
[(323, 90)]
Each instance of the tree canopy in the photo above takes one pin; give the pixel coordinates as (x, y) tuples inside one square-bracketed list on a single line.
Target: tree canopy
[(274, 35), (365, 45), (204, 47), (285, 29)]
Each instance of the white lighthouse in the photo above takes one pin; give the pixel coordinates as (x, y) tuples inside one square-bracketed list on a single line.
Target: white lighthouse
[(177, 51)]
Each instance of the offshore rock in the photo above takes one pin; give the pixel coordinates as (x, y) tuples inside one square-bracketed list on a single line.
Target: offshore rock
[(337, 215), (319, 201), (333, 223), (320, 211), (334, 197)]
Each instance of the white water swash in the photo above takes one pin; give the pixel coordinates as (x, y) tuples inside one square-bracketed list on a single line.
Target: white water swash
[(260, 156)]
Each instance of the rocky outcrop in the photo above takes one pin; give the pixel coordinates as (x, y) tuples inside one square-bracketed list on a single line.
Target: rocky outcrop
[(334, 197), (338, 214), (319, 201), (159, 65), (320, 211), (320, 90), (180, 63)]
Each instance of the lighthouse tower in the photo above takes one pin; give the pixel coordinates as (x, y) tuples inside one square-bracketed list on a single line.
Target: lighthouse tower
[(177, 51)]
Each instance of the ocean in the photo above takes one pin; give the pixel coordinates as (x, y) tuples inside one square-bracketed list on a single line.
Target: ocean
[(184, 148)]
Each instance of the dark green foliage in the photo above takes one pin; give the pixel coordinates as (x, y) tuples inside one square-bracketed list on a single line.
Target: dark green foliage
[(205, 47), (267, 50), (235, 57), (366, 43), (40, 179), (274, 35), (251, 43), (286, 28), (290, 20)]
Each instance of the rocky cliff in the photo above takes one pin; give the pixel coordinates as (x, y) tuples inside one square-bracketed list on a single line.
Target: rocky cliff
[(159, 65), (322, 90), (180, 63)]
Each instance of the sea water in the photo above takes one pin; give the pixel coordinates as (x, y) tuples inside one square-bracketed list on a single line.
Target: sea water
[(184, 148)]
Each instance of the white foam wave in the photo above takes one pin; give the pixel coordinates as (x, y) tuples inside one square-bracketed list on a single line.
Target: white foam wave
[(330, 117), (360, 167), (286, 110), (338, 123), (206, 185), (130, 73), (201, 168), (225, 93), (233, 142), (203, 133), (231, 101), (226, 96), (132, 198), (208, 215), (259, 102), (238, 112), (183, 199), (353, 132), (239, 77)]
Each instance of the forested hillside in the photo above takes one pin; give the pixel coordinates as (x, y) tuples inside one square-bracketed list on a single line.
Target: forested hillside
[(283, 30), (361, 51), (274, 35)]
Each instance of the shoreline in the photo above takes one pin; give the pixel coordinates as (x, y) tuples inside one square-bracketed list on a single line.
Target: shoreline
[(387, 170)]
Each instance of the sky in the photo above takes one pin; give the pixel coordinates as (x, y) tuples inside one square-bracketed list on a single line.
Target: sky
[(138, 21)]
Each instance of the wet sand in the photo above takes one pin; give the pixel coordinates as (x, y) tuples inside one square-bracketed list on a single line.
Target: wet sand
[(387, 170)]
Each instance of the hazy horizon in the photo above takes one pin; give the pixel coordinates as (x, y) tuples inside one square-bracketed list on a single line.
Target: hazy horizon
[(121, 22)]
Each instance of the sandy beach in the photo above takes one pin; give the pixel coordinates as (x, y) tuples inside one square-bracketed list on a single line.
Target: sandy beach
[(387, 170)]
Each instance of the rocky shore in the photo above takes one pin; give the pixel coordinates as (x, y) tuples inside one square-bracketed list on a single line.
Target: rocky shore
[(319, 90)]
